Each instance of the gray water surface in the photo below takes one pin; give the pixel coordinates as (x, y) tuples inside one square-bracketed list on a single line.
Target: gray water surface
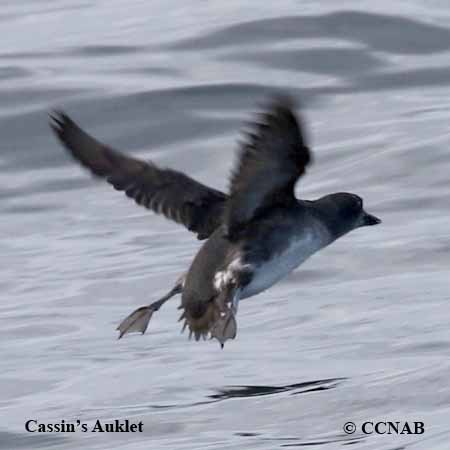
[(359, 333)]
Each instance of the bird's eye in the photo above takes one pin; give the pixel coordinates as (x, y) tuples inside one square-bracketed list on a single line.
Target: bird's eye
[(359, 201)]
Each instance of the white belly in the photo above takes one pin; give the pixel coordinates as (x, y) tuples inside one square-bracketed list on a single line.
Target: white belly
[(273, 270)]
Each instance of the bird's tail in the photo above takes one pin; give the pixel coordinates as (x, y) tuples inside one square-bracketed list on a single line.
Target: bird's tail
[(214, 318), (199, 318)]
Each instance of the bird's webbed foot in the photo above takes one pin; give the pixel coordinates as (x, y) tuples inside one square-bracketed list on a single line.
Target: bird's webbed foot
[(226, 326)]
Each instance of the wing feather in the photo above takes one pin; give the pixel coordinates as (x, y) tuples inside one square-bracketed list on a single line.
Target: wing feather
[(273, 156), (171, 193)]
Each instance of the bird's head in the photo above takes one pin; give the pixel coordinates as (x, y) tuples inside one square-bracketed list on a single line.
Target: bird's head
[(345, 212)]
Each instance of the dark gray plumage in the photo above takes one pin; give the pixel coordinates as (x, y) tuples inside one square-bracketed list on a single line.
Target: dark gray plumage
[(271, 160), (256, 235), (164, 191)]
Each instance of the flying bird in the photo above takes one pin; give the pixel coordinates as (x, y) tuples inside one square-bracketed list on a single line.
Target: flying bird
[(255, 234)]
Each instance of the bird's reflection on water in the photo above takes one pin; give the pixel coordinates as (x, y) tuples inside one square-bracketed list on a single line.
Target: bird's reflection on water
[(258, 391), (299, 442), (238, 391)]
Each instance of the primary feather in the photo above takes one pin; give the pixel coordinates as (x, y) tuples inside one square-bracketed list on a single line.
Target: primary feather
[(272, 158), (164, 191)]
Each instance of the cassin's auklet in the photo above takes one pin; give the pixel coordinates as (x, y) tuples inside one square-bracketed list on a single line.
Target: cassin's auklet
[(256, 234)]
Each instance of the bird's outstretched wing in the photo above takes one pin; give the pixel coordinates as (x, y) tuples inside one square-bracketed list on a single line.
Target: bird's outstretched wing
[(272, 157), (175, 195)]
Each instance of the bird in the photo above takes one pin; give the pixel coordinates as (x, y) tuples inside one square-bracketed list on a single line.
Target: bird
[(254, 235)]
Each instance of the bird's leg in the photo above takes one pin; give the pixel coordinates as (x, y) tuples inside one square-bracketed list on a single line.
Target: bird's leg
[(139, 319), (235, 302)]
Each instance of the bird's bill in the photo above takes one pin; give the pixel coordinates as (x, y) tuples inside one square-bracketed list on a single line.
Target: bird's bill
[(370, 219)]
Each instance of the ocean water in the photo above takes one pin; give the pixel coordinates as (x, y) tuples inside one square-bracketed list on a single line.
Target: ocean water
[(359, 333)]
